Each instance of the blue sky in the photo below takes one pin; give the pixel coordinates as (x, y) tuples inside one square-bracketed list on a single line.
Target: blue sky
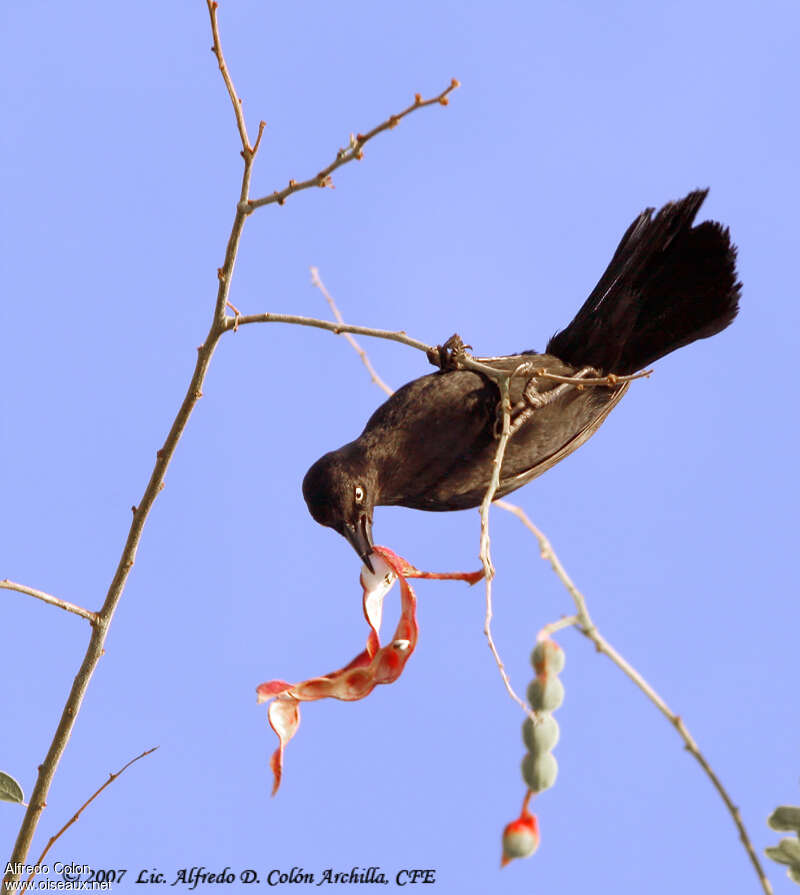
[(493, 218)]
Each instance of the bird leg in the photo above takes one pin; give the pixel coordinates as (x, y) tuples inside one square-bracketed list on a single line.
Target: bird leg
[(533, 399)]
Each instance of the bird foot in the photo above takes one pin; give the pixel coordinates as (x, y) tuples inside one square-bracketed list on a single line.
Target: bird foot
[(449, 356), (533, 399)]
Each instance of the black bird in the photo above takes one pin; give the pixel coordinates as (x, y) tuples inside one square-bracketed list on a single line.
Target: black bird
[(431, 445)]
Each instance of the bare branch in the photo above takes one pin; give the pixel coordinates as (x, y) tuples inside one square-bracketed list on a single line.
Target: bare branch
[(102, 620), (48, 598), (354, 152), (51, 841), (220, 324), (373, 374), (586, 626), (331, 325)]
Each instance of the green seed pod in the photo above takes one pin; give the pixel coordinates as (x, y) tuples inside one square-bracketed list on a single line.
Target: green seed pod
[(540, 737), (547, 658), (539, 771), (545, 694)]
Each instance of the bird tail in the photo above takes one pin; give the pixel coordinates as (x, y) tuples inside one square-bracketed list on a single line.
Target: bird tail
[(668, 284)]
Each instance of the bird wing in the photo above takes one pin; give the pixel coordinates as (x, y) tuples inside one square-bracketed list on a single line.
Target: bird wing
[(511, 483)]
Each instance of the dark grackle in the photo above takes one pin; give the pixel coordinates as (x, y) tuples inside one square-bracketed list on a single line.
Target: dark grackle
[(431, 445)]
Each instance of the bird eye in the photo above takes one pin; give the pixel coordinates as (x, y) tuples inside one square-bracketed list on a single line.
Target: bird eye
[(359, 494)]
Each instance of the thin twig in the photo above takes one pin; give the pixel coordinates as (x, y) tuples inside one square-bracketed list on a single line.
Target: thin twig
[(226, 77), (485, 540), (609, 380), (568, 621), (586, 626), (373, 374), (51, 841), (48, 598), (332, 326), (354, 151)]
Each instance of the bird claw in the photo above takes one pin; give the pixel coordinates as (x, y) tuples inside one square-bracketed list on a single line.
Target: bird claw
[(449, 355)]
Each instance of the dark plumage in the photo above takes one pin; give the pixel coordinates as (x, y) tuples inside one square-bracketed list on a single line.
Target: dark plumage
[(431, 445)]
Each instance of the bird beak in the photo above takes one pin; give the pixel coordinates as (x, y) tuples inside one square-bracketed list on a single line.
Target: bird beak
[(359, 534)]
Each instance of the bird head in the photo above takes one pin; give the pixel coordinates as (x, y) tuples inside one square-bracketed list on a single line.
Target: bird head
[(340, 493)]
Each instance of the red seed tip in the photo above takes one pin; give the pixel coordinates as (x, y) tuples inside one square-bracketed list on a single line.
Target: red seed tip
[(455, 83), (520, 838), (417, 98)]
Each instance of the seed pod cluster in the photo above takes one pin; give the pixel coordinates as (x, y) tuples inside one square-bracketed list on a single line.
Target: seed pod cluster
[(545, 695), (539, 767)]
